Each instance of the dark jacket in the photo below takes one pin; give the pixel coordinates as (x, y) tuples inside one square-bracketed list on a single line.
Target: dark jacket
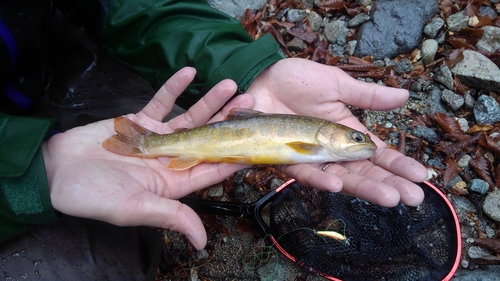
[(154, 38)]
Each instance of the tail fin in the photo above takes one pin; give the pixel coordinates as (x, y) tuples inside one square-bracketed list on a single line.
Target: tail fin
[(129, 138)]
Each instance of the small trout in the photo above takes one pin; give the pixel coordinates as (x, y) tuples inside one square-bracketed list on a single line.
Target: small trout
[(247, 137)]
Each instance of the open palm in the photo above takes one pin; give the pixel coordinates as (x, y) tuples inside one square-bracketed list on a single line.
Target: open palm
[(303, 87), (88, 181)]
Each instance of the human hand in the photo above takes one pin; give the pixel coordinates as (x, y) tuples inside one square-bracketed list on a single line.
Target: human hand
[(85, 180), (299, 86)]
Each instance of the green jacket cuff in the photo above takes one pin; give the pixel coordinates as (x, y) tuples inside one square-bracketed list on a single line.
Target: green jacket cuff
[(24, 191)]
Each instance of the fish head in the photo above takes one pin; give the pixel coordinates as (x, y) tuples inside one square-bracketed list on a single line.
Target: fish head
[(344, 143)]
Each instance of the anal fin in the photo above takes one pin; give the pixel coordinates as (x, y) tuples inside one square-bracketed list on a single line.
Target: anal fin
[(183, 163)]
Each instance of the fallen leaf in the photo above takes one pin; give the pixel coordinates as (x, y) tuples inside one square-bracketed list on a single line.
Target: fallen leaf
[(329, 5), (488, 243), (488, 142), (308, 37), (463, 145), (483, 169), (454, 57), (450, 171)]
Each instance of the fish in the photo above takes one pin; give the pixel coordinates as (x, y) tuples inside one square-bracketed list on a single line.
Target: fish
[(247, 137)]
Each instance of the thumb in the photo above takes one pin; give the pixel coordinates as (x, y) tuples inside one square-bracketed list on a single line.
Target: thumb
[(171, 214), (369, 95)]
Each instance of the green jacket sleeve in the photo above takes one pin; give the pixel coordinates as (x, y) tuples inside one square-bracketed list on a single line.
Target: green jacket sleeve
[(158, 37), (24, 192)]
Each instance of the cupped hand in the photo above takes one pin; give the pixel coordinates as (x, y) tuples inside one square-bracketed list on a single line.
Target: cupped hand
[(85, 180), (299, 86)]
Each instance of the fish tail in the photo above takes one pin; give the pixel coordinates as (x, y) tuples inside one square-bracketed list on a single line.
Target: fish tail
[(129, 138)]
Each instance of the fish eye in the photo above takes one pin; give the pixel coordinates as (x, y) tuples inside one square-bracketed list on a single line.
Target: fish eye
[(358, 136)]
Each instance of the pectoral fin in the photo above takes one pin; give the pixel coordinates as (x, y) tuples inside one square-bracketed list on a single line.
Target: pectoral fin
[(183, 163), (304, 147)]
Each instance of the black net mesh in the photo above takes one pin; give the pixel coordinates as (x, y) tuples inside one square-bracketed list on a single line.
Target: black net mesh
[(399, 243)]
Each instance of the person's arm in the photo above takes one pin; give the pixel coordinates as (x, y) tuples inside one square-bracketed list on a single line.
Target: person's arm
[(157, 38), (24, 192)]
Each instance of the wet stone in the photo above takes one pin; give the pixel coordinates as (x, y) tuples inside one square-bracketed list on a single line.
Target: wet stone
[(429, 50), (434, 101), (295, 15), (296, 45), (463, 162), (395, 27), (477, 71), (315, 21), (216, 191), (478, 186), (486, 110), (202, 254), (416, 86), (350, 47), (425, 133), (433, 27), (458, 21), (358, 20), (469, 99), (490, 41), (464, 125), (453, 100), (444, 76), (404, 66), (336, 49), (336, 32), (476, 252), (491, 205)]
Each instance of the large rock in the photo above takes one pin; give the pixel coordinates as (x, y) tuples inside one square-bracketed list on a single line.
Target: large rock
[(477, 71), (395, 27), (236, 8)]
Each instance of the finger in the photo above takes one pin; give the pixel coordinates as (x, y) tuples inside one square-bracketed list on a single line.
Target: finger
[(206, 107), (365, 188), (309, 175), (399, 164), (240, 101), (201, 176), (369, 95), (410, 193), (164, 99), (157, 211)]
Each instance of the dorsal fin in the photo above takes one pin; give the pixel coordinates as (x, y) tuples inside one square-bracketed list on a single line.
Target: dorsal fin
[(237, 113)]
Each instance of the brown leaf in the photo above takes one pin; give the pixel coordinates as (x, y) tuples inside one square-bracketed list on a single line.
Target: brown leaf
[(362, 61), (454, 57), (483, 169), (459, 86), (479, 128), (402, 143), (488, 243), (329, 5), (486, 260), (485, 21), (489, 143), (450, 171), (472, 35), (446, 7), (308, 37), (277, 35), (450, 126), (392, 81), (463, 145), (357, 67), (459, 43)]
